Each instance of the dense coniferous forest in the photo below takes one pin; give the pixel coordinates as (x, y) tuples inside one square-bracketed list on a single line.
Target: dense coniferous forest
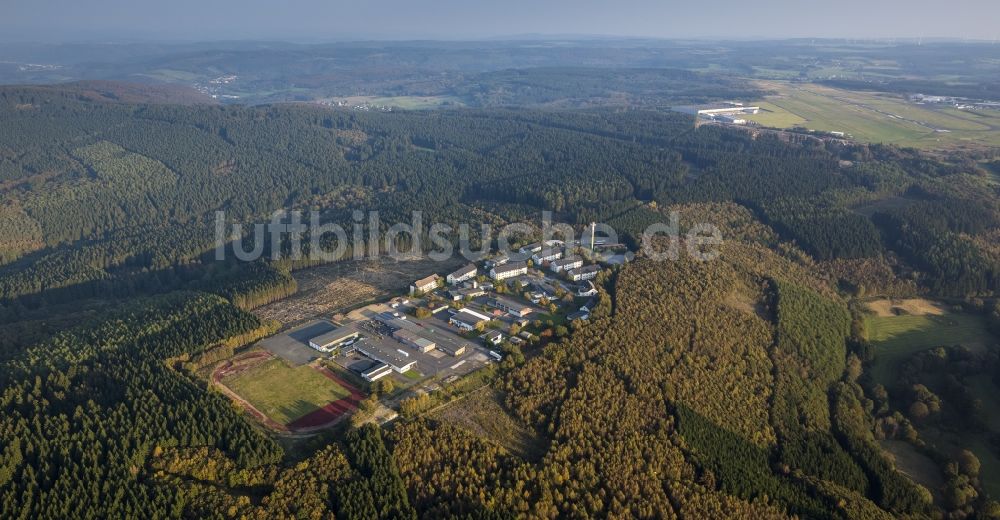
[(734, 388), (80, 215)]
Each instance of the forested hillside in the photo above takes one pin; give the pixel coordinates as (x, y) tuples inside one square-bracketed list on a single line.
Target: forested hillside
[(85, 411), (742, 402), (735, 388), (95, 193)]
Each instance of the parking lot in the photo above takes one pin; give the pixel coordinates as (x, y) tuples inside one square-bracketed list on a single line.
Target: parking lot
[(293, 345)]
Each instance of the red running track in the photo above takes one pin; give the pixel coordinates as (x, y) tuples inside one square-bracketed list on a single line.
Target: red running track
[(332, 411)]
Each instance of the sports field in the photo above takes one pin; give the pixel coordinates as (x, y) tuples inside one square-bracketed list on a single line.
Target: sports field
[(875, 117), (897, 337), (285, 393)]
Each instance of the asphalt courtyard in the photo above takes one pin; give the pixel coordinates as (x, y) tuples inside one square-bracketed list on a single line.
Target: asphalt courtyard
[(293, 345)]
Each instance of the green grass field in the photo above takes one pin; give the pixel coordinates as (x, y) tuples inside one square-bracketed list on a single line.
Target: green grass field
[(986, 391), (416, 102), (983, 117), (875, 117), (285, 393), (777, 117), (172, 75), (976, 442), (990, 472), (915, 465), (897, 337)]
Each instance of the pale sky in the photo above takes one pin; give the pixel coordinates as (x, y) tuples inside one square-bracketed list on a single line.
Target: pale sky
[(329, 20)]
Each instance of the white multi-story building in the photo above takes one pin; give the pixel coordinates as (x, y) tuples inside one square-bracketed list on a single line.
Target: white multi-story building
[(503, 272), (565, 264), (588, 272), (466, 273), (532, 248), (547, 255), (425, 285)]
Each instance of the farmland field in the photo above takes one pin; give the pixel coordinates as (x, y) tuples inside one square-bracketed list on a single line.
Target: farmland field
[(897, 337), (403, 102), (875, 117), (416, 102), (284, 393)]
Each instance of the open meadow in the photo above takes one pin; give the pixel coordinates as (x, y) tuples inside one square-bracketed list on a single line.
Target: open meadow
[(875, 117), (399, 102), (900, 330)]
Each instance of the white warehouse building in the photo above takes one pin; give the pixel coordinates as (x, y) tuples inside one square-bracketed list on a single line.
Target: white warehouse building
[(712, 111)]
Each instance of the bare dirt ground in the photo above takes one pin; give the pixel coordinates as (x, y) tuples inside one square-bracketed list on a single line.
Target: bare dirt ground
[(327, 289), (912, 307), (481, 413)]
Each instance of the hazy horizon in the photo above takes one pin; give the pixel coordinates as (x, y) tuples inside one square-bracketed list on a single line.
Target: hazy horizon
[(62, 21)]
